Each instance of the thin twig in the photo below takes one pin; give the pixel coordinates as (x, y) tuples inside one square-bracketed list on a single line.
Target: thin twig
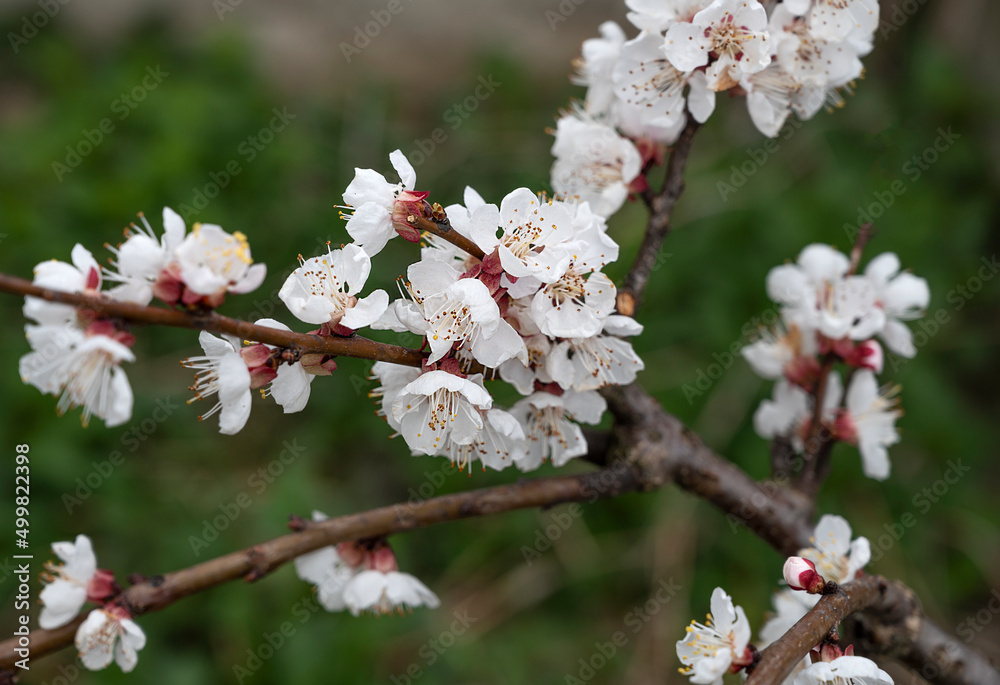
[(661, 211), (255, 562), (354, 346), (451, 235)]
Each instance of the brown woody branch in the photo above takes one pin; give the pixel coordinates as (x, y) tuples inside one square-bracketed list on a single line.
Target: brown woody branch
[(256, 562), (443, 230), (661, 449), (661, 208), (778, 660), (354, 346)]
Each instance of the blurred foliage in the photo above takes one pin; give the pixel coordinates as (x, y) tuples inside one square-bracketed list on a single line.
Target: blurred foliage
[(533, 622)]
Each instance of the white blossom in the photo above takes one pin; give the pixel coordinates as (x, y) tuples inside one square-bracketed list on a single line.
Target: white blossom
[(818, 294), (292, 384), (66, 593), (773, 354), (107, 635), (452, 311), (581, 300), (500, 443), (595, 65), (324, 289), (325, 569), (211, 262), (392, 379), (593, 164), (773, 94), (550, 428), (791, 410), (659, 15), (809, 58), (710, 650), (378, 208), (387, 592), (902, 296), (653, 86), (82, 368), (532, 234), (438, 407), (82, 276), (846, 670), (222, 371), (142, 258), (593, 363), (735, 31), (870, 422), (837, 557), (523, 375), (836, 20)]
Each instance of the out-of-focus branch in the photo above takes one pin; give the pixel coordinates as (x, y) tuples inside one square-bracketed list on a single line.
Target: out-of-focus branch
[(661, 208), (355, 346), (820, 441)]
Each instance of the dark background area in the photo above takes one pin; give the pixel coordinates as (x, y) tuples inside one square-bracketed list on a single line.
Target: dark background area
[(933, 70)]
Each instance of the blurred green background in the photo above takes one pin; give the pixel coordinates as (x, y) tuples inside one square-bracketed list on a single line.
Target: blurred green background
[(223, 69)]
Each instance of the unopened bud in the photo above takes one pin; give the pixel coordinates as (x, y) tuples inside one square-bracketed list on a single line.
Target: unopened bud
[(800, 574)]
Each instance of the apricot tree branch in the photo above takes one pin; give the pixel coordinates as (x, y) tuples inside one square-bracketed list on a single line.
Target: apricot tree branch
[(778, 660), (255, 562), (354, 346), (661, 449), (443, 230), (661, 208)]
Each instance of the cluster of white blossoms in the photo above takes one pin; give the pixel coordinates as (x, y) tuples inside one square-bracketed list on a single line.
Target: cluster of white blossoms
[(793, 56), (535, 306), (107, 634), (524, 298), (831, 315), (77, 355), (363, 579), (722, 644)]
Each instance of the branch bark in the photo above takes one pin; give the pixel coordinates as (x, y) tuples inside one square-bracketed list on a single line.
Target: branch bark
[(255, 562), (778, 660), (355, 346)]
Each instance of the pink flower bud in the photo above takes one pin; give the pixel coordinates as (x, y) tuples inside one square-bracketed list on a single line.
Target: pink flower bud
[(169, 287), (351, 553), (800, 574), (102, 586), (256, 358), (845, 428), (867, 355), (383, 560), (829, 652), (409, 204)]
